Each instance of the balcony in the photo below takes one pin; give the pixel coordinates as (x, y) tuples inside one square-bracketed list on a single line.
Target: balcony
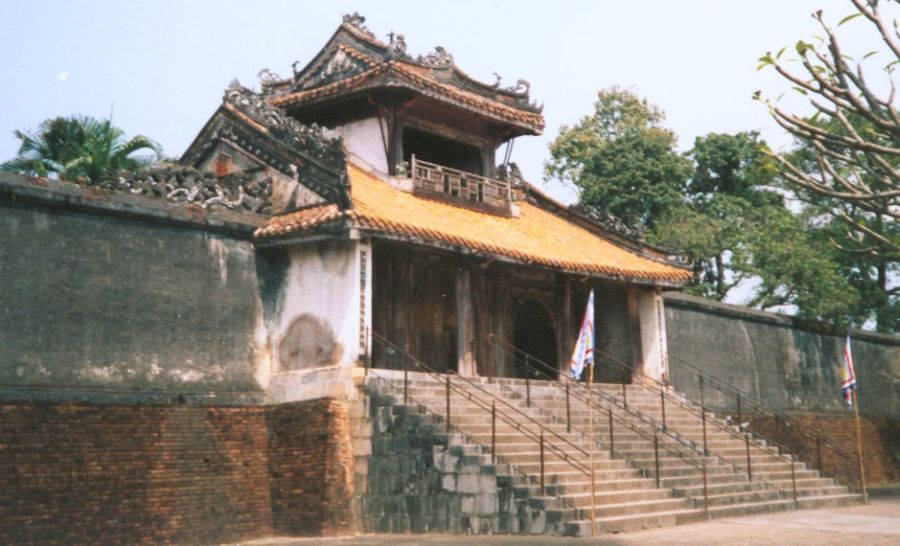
[(461, 188)]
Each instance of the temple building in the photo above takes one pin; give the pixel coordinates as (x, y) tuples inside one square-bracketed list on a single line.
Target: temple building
[(344, 310), (411, 229)]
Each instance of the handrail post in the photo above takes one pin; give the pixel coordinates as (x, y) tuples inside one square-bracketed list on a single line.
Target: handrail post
[(542, 463), (793, 479), (777, 429), (624, 396), (448, 403), (527, 391), (703, 415), (568, 412), (749, 467), (612, 439), (405, 384), (656, 456), (740, 414), (705, 489), (703, 419), (819, 454), (493, 431), (662, 399)]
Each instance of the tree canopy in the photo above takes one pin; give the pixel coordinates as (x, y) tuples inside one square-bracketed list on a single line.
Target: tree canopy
[(78, 148), (722, 203), (621, 159), (845, 165)]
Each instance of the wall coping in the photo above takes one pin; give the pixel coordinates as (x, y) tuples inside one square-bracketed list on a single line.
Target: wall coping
[(740, 312), (70, 196)]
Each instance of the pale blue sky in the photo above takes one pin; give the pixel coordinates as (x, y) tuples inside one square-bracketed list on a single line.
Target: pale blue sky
[(162, 66)]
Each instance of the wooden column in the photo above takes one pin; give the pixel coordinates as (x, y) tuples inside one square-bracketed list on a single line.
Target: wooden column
[(466, 323), (634, 329), (566, 330)]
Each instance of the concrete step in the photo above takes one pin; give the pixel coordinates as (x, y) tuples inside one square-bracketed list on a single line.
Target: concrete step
[(617, 524), (580, 500)]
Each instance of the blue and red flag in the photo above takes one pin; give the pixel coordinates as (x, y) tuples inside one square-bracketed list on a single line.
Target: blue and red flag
[(848, 375), (583, 354)]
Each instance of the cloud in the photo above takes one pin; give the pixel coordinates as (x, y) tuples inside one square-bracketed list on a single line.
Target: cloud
[(62, 76)]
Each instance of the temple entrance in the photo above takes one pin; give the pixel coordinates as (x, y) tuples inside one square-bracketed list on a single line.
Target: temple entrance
[(534, 333), (434, 318)]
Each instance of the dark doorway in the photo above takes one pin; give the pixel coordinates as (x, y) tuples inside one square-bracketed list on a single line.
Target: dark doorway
[(533, 332), (440, 150), (434, 318)]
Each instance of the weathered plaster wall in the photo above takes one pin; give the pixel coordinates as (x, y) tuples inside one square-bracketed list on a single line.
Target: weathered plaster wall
[(94, 305), (365, 139), (792, 366), (315, 298), (653, 334)]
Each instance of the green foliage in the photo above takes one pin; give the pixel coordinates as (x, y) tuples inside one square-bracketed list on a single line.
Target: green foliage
[(621, 159), (77, 148)]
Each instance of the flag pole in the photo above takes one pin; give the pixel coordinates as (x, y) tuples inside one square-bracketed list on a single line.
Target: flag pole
[(591, 437), (859, 451)]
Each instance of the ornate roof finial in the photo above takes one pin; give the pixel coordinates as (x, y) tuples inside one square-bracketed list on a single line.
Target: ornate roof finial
[(267, 77), (356, 21), (397, 47), (521, 88), (441, 58)]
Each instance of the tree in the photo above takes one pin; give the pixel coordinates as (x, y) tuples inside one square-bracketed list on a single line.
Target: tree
[(621, 159), (77, 148), (854, 131), (731, 178)]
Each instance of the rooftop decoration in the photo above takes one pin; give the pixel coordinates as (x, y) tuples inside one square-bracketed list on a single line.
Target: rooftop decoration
[(355, 61), (181, 184)]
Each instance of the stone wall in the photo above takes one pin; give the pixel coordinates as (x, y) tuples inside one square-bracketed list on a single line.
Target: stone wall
[(421, 479), (83, 474), (112, 297), (880, 439), (792, 366)]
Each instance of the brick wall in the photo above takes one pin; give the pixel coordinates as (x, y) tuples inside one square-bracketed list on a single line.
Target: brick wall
[(880, 439), (311, 465), (142, 474), (75, 474)]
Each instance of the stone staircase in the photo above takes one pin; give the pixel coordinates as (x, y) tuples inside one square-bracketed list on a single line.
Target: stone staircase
[(628, 493)]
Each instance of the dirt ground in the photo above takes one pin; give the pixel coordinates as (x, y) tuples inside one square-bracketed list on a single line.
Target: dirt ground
[(875, 524)]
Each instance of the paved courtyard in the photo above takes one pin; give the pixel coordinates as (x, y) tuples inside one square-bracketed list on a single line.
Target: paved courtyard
[(875, 524)]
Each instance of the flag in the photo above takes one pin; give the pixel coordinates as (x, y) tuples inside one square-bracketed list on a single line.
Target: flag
[(848, 375), (584, 347)]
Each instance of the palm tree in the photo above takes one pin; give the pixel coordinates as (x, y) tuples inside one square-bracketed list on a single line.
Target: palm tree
[(82, 149)]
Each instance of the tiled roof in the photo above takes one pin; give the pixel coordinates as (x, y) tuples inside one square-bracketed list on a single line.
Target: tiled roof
[(536, 236), (419, 78)]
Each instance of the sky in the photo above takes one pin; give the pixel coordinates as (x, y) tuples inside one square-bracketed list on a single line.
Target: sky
[(160, 68)]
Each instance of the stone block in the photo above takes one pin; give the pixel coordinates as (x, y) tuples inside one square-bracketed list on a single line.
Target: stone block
[(486, 504), (467, 504), (362, 446), (448, 483), (467, 483)]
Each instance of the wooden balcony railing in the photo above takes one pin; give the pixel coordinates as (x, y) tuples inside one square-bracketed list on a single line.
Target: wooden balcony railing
[(461, 188)]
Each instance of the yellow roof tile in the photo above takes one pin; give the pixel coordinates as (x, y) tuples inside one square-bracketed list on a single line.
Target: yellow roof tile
[(536, 236)]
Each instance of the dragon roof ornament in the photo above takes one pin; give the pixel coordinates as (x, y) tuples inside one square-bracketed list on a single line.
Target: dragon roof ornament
[(356, 21), (322, 143)]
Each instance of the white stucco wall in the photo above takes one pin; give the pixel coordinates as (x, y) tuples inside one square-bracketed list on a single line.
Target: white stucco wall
[(364, 139), (321, 329), (653, 334)]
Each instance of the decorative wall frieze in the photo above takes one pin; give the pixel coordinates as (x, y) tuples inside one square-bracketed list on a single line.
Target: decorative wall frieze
[(181, 184)]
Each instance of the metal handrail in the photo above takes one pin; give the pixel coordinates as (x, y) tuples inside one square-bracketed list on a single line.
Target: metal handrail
[(610, 400), (512, 421), (782, 419), (687, 407), (724, 387)]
